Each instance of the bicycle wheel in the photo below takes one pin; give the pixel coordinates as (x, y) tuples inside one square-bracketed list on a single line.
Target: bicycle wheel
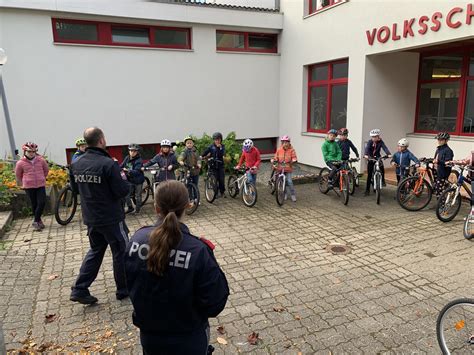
[(345, 188), (455, 327), (468, 229), (323, 180), (232, 186), (211, 188), (414, 194), (448, 205), (66, 206), (194, 198), (280, 191), (377, 181), (355, 173), (271, 182), (146, 190), (249, 194), (352, 183)]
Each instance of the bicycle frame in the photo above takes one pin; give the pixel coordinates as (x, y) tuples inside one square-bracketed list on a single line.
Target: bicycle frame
[(242, 181), (462, 182)]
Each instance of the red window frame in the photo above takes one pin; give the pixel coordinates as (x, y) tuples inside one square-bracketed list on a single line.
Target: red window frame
[(104, 34), (328, 83), (467, 52), (247, 48), (331, 3)]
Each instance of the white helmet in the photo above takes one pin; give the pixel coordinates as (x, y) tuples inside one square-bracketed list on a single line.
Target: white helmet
[(248, 144), (375, 132), (165, 143), (403, 142)]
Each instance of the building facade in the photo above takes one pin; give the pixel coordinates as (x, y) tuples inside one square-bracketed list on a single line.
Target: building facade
[(148, 70)]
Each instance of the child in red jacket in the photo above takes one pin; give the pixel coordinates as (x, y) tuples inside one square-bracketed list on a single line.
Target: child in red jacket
[(251, 155)]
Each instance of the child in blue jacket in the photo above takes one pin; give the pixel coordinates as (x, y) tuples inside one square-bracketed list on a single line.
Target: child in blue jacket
[(403, 158), (132, 166)]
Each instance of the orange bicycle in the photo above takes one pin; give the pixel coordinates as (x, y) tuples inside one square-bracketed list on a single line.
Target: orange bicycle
[(414, 192), (343, 179)]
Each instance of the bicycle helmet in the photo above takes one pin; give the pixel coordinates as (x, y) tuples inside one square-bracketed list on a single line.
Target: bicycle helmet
[(343, 132), (217, 135), (30, 146), (133, 146), (332, 131), (285, 138), (403, 142), (80, 141), (165, 143), (375, 132), (248, 144), (443, 135), (188, 138)]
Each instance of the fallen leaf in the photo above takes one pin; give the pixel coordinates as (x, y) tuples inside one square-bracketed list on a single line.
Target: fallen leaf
[(13, 334), (27, 239), (50, 318), (287, 345), (297, 317), (222, 341), (279, 309), (253, 338), (108, 333), (220, 329), (300, 353), (32, 344), (45, 346), (53, 277)]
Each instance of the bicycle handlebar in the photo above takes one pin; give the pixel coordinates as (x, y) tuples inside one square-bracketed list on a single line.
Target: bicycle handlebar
[(378, 159)]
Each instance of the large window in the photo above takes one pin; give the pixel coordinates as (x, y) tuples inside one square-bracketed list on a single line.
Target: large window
[(109, 34), (318, 5), (246, 42), (446, 93), (327, 96)]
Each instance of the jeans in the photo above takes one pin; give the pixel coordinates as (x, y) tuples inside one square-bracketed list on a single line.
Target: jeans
[(289, 183), (252, 178), (38, 201), (136, 192), (195, 180), (333, 170)]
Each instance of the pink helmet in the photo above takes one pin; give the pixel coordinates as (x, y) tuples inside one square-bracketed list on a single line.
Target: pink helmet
[(30, 146), (285, 138)]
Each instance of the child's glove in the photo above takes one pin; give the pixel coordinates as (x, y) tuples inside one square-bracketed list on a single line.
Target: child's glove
[(170, 167)]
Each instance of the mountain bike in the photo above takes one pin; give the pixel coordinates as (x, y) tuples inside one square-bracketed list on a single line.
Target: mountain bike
[(353, 175), (449, 202), (377, 178), (236, 184), (342, 180), (193, 190), (66, 203), (210, 180), (414, 192), (455, 327), (277, 182), (147, 190), (154, 170)]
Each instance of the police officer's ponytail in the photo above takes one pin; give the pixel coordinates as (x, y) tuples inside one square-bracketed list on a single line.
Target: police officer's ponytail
[(172, 199)]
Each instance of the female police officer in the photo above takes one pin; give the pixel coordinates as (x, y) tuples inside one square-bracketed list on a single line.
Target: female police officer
[(173, 278)]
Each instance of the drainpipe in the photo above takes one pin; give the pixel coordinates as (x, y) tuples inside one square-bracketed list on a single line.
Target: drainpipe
[(277, 5)]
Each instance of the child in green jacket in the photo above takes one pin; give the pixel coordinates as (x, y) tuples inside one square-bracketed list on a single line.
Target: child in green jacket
[(331, 153)]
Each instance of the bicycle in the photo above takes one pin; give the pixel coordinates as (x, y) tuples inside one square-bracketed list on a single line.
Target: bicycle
[(237, 184), (210, 180), (449, 202), (354, 174), (154, 170), (193, 190), (468, 228), (343, 179), (455, 327), (66, 204), (377, 176), (415, 192), (146, 191)]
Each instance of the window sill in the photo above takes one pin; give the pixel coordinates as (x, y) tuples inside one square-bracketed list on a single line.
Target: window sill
[(252, 53), (122, 47), (314, 134), (324, 9), (432, 135)]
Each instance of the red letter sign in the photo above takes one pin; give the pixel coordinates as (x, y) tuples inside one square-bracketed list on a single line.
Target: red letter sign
[(407, 28), (395, 37), (423, 26), (383, 38), (371, 36), (470, 14), (449, 18), (437, 23)]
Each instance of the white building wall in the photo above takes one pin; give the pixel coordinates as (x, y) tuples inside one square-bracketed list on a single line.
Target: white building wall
[(135, 95)]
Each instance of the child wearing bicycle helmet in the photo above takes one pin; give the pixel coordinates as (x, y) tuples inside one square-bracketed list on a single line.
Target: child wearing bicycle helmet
[(166, 161), (402, 159), (132, 166), (331, 152), (373, 150), (31, 172), (216, 151), (443, 154), (191, 159), (286, 154), (81, 146), (346, 144), (251, 156)]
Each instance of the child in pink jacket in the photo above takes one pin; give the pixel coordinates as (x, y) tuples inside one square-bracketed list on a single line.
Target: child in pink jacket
[(31, 171)]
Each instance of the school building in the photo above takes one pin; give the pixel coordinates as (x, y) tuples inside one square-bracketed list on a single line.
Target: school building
[(144, 70)]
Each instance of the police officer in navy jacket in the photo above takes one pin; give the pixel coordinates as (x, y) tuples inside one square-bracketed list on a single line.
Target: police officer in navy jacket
[(102, 189), (174, 281)]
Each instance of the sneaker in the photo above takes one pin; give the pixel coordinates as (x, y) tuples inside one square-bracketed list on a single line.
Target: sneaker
[(41, 224), (86, 299), (120, 296), (286, 196), (293, 198), (129, 210), (36, 226)]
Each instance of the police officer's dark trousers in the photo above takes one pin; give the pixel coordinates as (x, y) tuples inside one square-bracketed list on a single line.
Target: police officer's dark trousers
[(115, 235), (196, 343)]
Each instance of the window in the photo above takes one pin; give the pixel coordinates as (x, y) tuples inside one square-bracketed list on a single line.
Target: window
[(246, 42), (109, 34), (317, 5), (327, 96), (446, 93), (264, 145)]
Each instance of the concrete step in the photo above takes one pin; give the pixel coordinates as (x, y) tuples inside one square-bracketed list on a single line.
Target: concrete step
[(5, 220)]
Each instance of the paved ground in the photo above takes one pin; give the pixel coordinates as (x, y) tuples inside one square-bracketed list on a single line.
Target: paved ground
[(381, 298)]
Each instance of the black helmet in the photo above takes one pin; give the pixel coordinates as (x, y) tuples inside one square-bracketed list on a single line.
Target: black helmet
[(443, 135), (133, 146), (343, 132), (217, 135)]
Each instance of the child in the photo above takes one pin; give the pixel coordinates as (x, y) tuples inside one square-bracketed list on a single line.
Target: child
[(346, 144), (402, 159), (166, 160), (217, 152), (191, 159), (173, 279), (132, 166), (286, 154), (331, 152), (443, 154), (31, 171), (251, 156), (372, 150), (81, 146)]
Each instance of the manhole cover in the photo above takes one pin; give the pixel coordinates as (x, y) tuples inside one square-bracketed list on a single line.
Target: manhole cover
[(338, 249)]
